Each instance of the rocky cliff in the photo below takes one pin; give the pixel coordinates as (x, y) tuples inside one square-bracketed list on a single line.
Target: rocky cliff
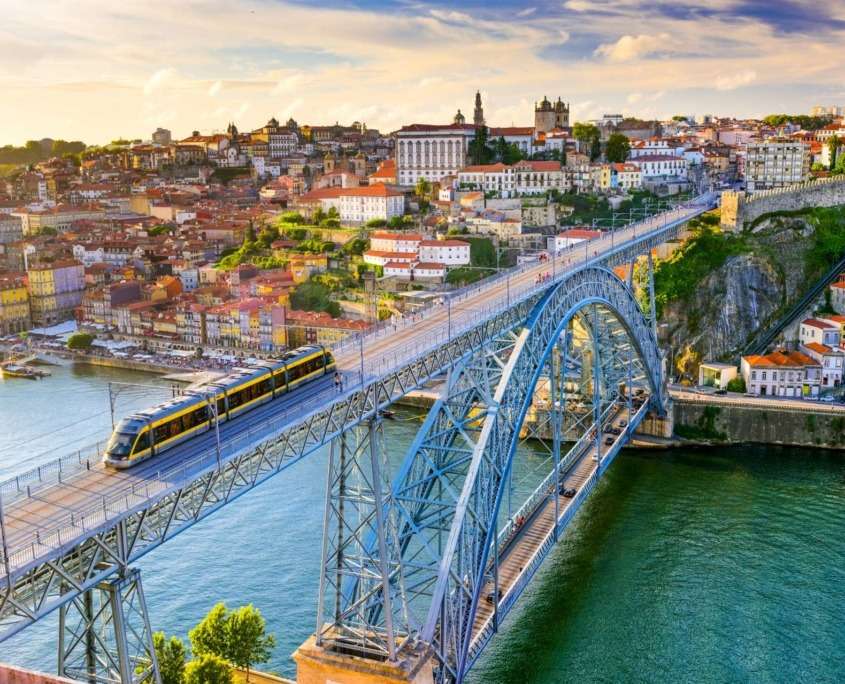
[(719, 289)]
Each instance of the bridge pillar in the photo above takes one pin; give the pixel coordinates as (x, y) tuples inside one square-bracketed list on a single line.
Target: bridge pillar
[(105, 635), (316, 664)]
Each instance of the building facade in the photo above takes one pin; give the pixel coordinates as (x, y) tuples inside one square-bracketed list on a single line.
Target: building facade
[(431, 152), (775, 163)]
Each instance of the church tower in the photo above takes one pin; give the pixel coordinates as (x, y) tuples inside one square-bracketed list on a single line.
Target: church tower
[(460, 119), (478, 114)]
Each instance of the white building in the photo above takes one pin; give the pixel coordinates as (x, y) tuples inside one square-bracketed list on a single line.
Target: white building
[(431, 152), (781, 374), (830, 359), (775, 163), (448, 252), (359, 205), (523, 178), (656, 167), (571, 237), (820, 332), (395, 242)]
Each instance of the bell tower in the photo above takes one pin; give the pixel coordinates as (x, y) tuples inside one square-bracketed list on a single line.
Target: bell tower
[(478, 114)]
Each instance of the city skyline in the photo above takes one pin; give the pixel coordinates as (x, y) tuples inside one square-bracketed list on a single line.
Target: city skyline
[(95, 73)]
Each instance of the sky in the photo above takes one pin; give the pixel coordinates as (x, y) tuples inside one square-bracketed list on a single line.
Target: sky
[(97, 70)]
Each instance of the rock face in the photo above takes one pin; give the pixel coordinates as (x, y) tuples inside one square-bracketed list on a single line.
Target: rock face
[(745, 294)]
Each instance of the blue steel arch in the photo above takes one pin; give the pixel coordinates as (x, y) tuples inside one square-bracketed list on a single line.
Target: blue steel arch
[(462, 446)]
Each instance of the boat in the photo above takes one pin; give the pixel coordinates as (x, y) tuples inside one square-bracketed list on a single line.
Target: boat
[(13, 370), (17, 370)]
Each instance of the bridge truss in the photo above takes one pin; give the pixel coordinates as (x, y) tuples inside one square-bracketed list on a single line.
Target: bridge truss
[(406, 562)]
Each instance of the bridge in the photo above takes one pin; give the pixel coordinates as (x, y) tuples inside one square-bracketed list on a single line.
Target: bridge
[(420, 567)]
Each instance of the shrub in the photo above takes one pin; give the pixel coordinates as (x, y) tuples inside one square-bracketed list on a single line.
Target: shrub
[(80, 340)]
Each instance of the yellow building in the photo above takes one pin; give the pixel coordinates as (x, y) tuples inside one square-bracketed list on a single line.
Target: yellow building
[(14, 306), (55, 291)]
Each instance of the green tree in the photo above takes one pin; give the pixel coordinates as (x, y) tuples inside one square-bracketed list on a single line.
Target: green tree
[(209, 636), (292, 217), (736, 384), (80, 340), (318, 216), (833, 146), (589, 137), (268, 235), (479, 152), (208, 669), (618, 148), (170, 654), (249, 644)]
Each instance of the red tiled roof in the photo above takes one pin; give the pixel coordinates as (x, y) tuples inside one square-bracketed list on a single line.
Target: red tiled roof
[(816, 323)]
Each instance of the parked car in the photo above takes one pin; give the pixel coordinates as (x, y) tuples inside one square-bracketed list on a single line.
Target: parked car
[(608, 441), (827, 399), (721, 390)]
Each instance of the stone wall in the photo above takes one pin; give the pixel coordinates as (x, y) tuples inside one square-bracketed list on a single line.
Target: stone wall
[(9, 674), (738, 209), (737, 423)]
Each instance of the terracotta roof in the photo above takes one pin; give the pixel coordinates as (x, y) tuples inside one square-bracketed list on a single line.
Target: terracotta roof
[(381, 235), (816, 323), (580, 234), (444, 243)]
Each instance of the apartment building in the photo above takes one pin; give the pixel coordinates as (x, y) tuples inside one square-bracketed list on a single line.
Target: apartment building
[(775, 163), (55, 290)]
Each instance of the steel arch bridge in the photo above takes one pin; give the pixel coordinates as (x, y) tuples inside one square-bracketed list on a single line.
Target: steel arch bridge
[(71, 531), (409, 566)]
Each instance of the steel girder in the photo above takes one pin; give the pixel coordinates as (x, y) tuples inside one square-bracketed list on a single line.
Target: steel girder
[(445, 500), (105, 635)]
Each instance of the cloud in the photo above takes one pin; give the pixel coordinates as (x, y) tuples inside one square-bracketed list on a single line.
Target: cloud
[(159, 80), (288, 83), (527, 12), (734, 81), (215, 88), (628, 48), (633, 98), (580, 5)]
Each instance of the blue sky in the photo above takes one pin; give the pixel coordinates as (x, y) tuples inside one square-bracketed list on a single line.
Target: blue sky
[(95, 70)]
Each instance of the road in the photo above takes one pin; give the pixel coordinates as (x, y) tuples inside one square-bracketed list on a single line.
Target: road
[(31, 517), (736, 399)]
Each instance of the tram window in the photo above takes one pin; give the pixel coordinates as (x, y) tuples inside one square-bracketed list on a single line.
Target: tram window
[(266, 386), (143, 442), (235, 400), (221, 406)]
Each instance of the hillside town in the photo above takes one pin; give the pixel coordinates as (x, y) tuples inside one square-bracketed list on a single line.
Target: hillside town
[(255, 241)]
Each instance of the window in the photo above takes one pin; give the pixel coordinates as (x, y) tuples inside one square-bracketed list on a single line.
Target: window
[(142, 443)]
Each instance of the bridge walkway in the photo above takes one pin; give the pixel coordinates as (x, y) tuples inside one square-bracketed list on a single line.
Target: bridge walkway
[(526, 547)]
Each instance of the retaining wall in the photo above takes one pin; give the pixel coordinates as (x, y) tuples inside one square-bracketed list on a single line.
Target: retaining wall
[(738, 209)]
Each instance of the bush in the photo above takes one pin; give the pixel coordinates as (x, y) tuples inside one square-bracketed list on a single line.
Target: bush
[(80, 341), (208, 669), (292, 217), (737, 384)]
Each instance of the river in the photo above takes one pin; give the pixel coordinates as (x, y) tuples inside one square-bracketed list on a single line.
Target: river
[(684, 566)]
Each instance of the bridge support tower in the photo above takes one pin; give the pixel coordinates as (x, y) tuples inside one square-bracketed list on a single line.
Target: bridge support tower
[(105, 635)]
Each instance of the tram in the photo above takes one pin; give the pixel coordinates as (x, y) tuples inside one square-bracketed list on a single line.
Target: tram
[(147, 433)]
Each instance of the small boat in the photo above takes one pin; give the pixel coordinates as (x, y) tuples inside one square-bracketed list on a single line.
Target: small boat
[(13, 370), (16, 370)]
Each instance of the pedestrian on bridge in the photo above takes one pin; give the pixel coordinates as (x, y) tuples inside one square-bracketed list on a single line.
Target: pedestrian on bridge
[(338, 382)]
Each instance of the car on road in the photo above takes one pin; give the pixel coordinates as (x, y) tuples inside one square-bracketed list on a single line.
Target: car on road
[(828, 399), (721, 390), (608, 441)]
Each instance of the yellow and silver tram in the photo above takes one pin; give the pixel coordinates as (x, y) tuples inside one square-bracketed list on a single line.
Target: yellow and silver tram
[(151, 431)]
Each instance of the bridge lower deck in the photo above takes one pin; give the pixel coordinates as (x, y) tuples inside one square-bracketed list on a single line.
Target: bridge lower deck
[(521, 550)]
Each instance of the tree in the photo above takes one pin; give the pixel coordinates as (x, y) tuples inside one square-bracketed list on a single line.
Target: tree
[(478, 151), (319, 216), (170, 654), (249, 644), (268, 235), (80, 340), (736, 384), (208, 669), (209, 636), (238, 637), (422, 189), (833, 146), (589, 138), (618, 148)]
